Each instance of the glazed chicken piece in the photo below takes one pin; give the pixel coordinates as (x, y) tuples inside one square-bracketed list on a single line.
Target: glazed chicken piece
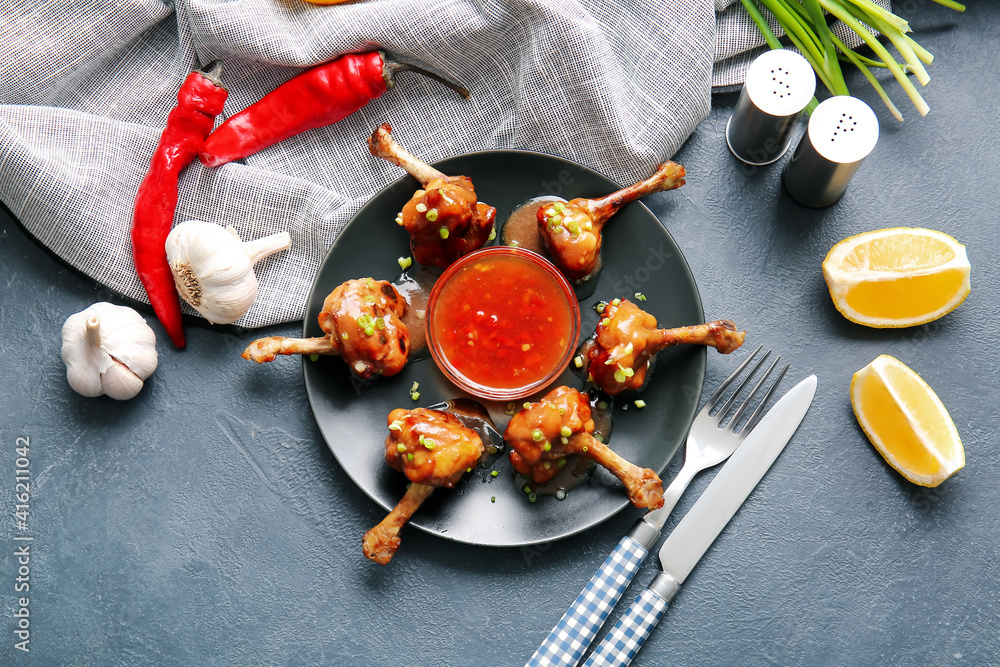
[(571, 230), (362, 321), (432, 448), (445, 220), (626, 339), (543, 434)]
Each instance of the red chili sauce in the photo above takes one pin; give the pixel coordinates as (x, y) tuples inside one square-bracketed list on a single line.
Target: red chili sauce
[(504, 320)]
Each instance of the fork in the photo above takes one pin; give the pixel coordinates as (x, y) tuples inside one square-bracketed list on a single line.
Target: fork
[(709, 442)]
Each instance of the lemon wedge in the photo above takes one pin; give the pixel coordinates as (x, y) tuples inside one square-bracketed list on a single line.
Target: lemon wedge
[(897, 277), (906, 421)]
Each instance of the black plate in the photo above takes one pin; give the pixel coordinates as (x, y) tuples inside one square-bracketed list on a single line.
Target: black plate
[(639, 256)]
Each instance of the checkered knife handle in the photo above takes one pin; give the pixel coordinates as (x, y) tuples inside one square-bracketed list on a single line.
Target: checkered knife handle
[(574, 632), (625, 639)]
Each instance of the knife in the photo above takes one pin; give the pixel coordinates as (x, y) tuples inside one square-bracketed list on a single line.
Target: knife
[(702, 524)]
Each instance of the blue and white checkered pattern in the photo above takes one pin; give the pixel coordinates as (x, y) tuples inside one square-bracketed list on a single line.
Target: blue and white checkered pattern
[(571, 636), (626, 638)]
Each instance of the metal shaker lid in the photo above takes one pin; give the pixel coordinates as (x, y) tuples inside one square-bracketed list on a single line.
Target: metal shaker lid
[(843, 129), (780, 82)]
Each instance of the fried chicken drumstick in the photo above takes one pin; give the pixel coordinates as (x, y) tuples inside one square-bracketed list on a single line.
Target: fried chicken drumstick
[(627, 338), (362, 321), (543, 434), (571, 231), (432, 448), (445, 220)]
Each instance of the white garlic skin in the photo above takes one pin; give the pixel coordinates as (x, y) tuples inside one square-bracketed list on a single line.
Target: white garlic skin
[(108, 350), (213, 268)]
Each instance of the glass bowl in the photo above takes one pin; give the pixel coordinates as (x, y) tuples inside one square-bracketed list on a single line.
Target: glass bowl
[(502, 323)]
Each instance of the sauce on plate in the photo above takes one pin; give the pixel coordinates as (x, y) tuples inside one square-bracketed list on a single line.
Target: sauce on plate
[(503, 320)]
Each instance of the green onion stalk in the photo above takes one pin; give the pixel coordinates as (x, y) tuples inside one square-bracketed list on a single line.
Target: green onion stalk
[(805, 23)]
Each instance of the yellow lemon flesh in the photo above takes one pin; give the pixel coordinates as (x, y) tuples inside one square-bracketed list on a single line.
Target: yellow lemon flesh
[(897, 277), (906, 422)]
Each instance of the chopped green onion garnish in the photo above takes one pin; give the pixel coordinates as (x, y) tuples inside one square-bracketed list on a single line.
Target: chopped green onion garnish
[(405, 262), (565, 431), (313, 357), (443, 232), (547, 447), (421, 207), (537, 435), (432, 214), (639, 296), (578, 361), (640, 403), (494, 473), (400, 447)]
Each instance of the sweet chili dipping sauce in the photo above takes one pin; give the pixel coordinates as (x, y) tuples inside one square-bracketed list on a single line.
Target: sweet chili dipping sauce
[(503, 323)]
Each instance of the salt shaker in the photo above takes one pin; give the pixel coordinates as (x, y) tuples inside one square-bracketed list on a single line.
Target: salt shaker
[(778, 86), (842, 131)]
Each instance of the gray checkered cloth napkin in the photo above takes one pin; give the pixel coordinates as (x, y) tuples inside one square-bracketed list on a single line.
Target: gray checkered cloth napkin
[(617, 85)]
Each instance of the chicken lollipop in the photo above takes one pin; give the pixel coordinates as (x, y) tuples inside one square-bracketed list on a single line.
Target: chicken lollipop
[(543, 434), (362, 321), (444, 219), (571, 231), (432, 448), (619, 355)]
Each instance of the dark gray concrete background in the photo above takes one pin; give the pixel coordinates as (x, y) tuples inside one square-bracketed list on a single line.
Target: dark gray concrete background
[(206, 522)]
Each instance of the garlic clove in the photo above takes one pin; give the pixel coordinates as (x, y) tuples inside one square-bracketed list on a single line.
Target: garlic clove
[(213, 269), (119, 382), (128, 339)]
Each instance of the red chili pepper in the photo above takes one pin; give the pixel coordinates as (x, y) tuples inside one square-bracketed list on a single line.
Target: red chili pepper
[(317, 97), (199, 101)]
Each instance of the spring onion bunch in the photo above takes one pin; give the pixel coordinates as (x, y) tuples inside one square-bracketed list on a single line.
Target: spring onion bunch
[(805, 24)]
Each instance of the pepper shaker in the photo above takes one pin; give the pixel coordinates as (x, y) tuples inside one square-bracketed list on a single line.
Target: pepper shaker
[(778, 86), (842, 132)]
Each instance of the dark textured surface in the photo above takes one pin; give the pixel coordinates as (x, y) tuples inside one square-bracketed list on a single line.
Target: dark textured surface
[(205, 522)]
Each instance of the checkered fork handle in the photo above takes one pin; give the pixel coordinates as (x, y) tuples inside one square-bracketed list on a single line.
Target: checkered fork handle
[(574, 632), (620, 645)]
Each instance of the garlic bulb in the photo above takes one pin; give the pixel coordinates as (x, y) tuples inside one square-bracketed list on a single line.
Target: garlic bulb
[(109, 350), (213, 268)]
